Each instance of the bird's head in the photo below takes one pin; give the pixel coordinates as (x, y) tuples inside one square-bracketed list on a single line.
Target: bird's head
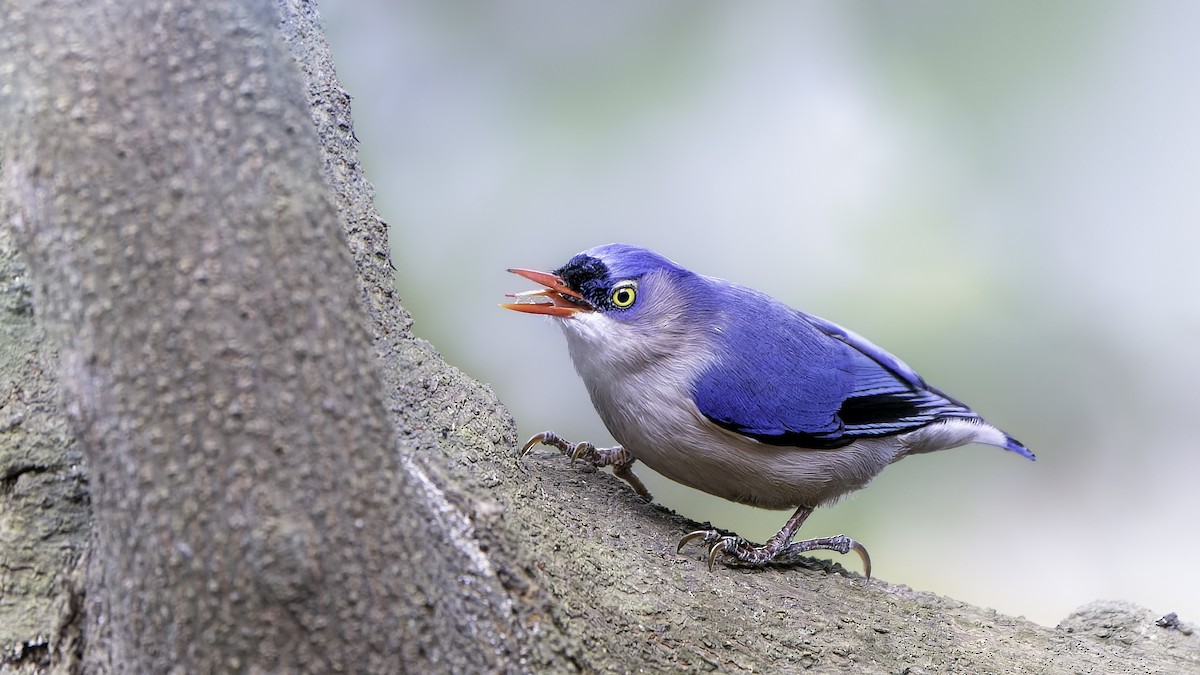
[(621, 306), (622, 282)]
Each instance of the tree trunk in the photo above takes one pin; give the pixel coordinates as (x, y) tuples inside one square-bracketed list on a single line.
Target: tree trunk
[(268, 492), (251, 507)]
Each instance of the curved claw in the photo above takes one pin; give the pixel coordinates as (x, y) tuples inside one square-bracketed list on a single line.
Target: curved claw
[(720, 543), (537, 438), (866, 558), (716, 549), (692, 536), (579, 451)]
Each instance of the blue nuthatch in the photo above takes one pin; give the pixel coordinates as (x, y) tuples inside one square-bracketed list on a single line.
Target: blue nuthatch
[(727, 390)]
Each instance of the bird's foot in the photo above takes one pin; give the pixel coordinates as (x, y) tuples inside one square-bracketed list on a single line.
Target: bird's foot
[(620, 459), (777, 550)]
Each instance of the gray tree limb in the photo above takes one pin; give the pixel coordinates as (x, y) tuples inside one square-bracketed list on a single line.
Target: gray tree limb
[(270, 493)]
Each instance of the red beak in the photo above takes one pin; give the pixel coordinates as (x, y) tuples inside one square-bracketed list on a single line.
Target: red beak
[(563, 301)]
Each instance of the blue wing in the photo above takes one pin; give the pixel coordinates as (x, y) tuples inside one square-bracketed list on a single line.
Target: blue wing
[(784, 377)]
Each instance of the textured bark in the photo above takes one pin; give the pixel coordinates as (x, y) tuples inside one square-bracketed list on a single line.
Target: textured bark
[(252, 509), (44, 508)]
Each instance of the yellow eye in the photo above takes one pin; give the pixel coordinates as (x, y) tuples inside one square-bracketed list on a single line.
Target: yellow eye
[(624, 295)]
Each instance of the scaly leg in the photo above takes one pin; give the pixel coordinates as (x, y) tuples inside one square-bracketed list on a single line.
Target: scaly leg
[(779, 549), (620, 459)]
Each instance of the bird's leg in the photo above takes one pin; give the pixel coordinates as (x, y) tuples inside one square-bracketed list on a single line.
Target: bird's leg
[(620, 459), (779, 549)]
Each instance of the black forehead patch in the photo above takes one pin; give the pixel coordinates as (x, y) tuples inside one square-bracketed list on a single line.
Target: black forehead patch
[(583, 273)]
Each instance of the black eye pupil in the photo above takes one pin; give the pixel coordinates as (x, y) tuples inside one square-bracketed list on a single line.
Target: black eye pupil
[(623, 297)]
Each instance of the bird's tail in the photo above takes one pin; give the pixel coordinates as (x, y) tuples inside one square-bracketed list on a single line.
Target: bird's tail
[(1013, 445)]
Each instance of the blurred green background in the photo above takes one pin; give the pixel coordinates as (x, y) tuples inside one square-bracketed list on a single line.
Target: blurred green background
[(1004, 194)]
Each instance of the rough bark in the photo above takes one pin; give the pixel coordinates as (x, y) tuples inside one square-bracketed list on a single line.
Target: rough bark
[(253, 511), (251, 508), (44, 509)]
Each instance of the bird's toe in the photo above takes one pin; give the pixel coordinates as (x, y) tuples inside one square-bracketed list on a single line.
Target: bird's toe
[(720, 547), (585, 451)]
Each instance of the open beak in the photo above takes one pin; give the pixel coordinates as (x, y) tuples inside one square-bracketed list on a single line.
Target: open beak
[(553, 300)]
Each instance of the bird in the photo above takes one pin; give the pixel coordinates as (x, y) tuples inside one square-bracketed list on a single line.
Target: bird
[(727, 390)]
